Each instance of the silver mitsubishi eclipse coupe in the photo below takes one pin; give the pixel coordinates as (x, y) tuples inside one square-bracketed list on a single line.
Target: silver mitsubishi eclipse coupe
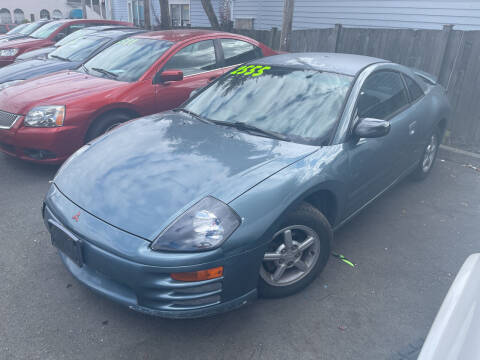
[(236, 194)]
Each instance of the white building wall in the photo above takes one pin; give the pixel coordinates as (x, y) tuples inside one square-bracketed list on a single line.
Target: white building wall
[(35, 6)]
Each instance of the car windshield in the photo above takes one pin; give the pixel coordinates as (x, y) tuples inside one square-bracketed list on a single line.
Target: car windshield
[(29, 28), (302, 105), (126, 60), (46, 30), (17, 29), (79, 49), (77, 34)]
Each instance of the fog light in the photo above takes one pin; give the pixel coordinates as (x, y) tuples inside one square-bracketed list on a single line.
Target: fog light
[(199, 275)]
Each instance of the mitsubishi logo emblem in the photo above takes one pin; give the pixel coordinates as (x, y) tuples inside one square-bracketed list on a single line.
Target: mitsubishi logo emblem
[(76, 216)]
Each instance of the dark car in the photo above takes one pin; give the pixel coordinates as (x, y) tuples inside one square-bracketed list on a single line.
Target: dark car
[(196, 211), (47, 35), (22, 31), (66, 57), (43, 52), (5, 28)]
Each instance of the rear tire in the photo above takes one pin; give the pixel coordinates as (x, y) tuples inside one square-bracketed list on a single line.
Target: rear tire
[(297, 254), (428, 158), (106, 123)]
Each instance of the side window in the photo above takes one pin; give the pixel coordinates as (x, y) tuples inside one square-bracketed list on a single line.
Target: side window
[(382, 94), (72, 28), (237, 51), (414, 89), (194, 58)]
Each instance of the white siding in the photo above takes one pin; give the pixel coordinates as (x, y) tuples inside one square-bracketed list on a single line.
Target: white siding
[(119, 10), (198, 18), (427, 14)]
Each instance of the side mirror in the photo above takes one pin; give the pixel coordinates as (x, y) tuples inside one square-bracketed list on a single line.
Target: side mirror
[(59, 36), (371, 128), (168, 75)]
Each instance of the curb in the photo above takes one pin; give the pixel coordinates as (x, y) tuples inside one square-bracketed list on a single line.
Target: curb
[(459, 155)]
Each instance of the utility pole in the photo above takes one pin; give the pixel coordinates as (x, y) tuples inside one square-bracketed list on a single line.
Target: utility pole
[(288, 6), (84, 9), (146, 14), (164, 14)]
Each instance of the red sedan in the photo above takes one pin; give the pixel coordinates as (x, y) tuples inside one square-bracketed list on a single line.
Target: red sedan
[(47, 35), (48, 118)]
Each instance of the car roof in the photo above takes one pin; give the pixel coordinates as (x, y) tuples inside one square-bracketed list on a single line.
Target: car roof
[(113, 33), (109, 27), (348, 64), (181, 34)]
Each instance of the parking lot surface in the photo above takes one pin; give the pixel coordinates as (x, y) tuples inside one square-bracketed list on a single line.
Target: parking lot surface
[(408, 246)]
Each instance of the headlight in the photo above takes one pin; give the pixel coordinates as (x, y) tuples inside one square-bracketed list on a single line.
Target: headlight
[(8, 52), (9, 83), (45, 116), (205, 226)]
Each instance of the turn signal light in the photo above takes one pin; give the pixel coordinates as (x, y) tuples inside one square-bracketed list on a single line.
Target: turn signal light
[(198, 275)]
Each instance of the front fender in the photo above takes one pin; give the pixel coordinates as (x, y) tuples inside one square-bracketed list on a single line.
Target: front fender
[(264, 207)]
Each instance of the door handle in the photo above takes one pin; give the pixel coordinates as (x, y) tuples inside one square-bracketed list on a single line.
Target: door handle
[(411, 128)]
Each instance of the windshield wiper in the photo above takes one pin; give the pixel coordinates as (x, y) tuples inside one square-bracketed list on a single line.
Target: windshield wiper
[(105, 72), (247, 127), (84, 68), (60, 58), (208, 121)]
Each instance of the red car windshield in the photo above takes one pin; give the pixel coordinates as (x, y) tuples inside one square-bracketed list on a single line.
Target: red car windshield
[(127, 60), (46, 30)]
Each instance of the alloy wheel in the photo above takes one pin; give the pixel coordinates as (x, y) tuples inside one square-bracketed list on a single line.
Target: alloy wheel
[(430, 152), (291, 256)]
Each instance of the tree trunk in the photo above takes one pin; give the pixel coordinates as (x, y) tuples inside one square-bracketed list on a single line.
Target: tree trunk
[(164, 14), (84, 9), (146, 14), (212, 17), (288, 6)]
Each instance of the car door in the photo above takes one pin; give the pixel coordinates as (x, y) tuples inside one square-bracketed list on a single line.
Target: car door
[(419, 113), (375, 163), (200, 65)]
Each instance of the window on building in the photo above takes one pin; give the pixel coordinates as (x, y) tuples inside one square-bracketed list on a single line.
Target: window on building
[(57, 14), (180, 14), (136, 12), (5, 16), (44, 14), (19, 16)]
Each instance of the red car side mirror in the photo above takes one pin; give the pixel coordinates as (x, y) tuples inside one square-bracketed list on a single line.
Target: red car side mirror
[(168, 75)]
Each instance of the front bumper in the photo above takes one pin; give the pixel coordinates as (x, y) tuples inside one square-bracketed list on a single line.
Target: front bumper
[(122, 267), (40, 145)]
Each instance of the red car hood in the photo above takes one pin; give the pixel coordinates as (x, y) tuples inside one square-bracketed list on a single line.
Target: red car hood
[(25, 43), (54, 89)]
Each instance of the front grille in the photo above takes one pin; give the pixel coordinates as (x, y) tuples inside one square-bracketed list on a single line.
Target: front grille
[(7, 119)]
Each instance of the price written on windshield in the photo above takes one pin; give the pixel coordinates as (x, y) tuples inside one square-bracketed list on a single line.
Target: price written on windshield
[(252, 70)]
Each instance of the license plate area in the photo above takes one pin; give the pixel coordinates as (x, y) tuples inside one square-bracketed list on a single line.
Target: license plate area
[(67, 243)]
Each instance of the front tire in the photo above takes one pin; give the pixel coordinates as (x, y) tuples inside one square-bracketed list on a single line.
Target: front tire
[(106, 123), (298, 252)]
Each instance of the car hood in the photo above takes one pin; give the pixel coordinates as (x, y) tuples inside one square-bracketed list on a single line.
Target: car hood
[(57, 88), (30, 68), (36, 54), (21, 43), (144, 174)]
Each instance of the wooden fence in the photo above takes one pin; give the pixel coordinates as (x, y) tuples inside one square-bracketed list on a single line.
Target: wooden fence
[(451, 55)]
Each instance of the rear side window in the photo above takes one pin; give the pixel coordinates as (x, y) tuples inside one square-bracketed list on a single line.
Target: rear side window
[(195, 58), (3, 29), (74, 27), (238, 52), (382, 94), (414, 89)]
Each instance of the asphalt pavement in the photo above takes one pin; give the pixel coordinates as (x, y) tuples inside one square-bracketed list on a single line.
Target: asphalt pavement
[(407, 248)]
